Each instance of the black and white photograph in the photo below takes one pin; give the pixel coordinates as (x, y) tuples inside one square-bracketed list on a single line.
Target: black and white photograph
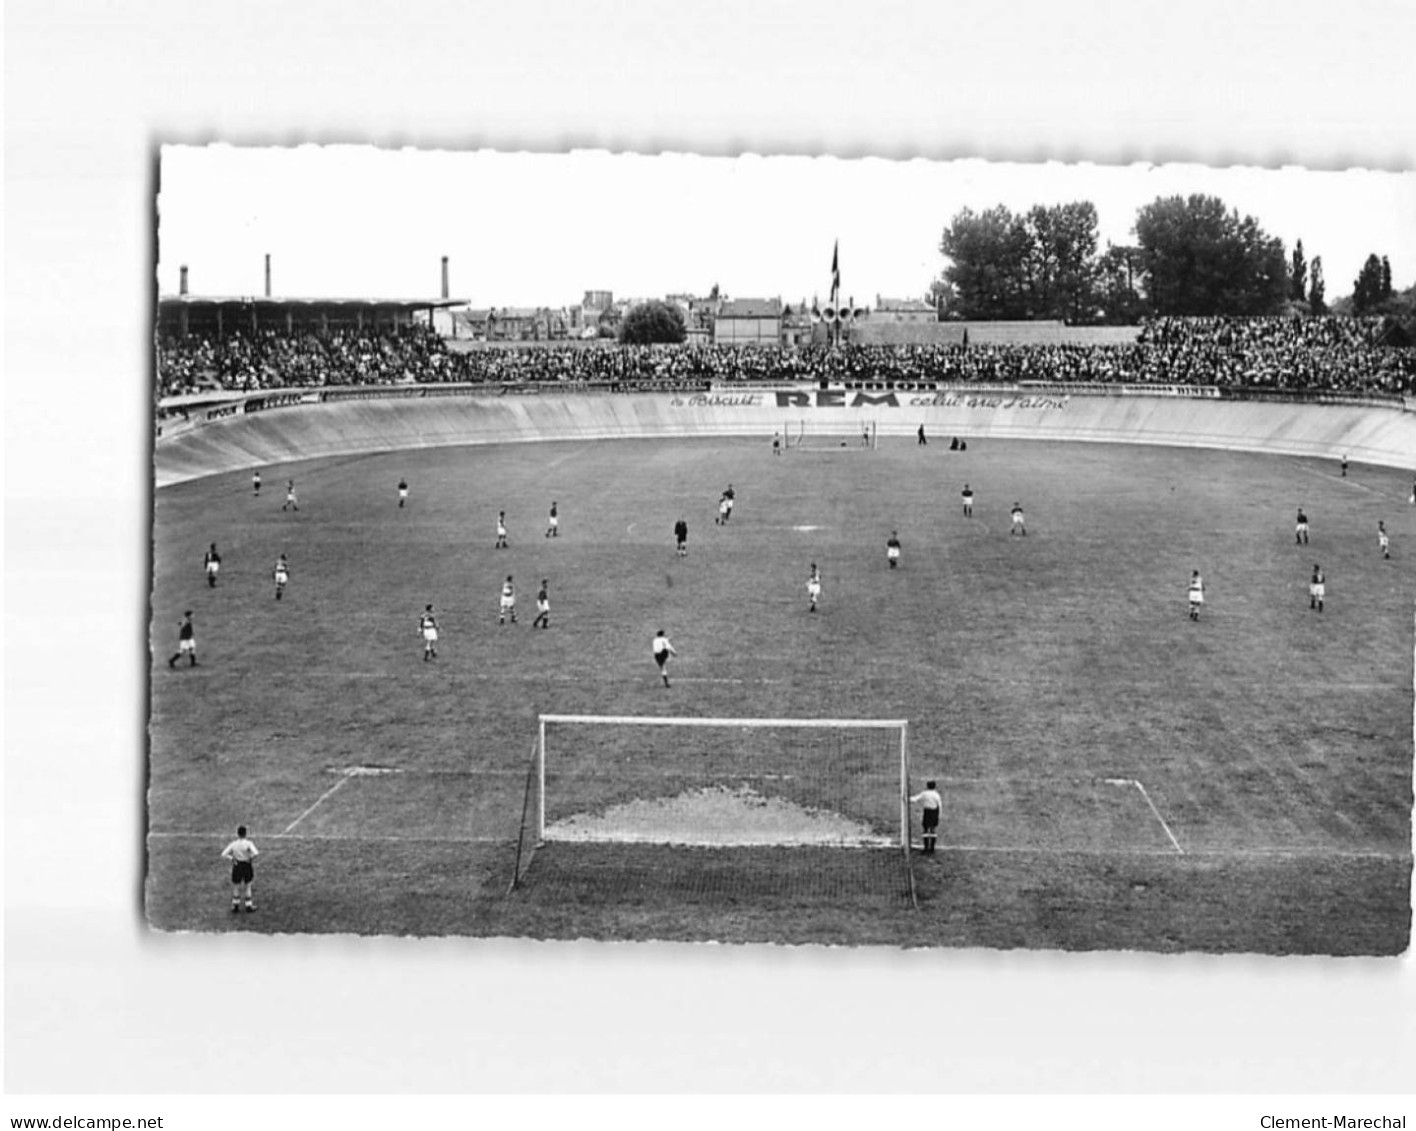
[(653, 566), (1114, 706)]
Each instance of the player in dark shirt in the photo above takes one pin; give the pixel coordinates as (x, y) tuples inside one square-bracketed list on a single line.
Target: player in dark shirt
[(186, 641)]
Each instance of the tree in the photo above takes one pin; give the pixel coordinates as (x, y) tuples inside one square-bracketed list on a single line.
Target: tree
[(1038, 265), (944, 297), (1368, 290), (1061, 261), (651, 323), (1298, 275), (1118, 277), (988, 251), (1201, 258), (1316, 302)]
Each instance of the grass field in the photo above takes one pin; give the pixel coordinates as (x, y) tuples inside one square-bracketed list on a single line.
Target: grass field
[(1115, 776)]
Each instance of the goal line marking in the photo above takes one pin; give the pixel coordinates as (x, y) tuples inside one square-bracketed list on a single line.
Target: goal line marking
[(1165, 853), (1002, 849), (376, 838)]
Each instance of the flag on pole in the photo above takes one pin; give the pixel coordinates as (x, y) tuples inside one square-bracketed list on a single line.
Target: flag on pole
[(835, 272)]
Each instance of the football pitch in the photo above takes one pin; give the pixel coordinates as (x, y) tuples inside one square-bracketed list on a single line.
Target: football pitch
[(1114, 775)]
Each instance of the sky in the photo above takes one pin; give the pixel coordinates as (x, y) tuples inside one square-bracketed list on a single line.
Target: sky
[(540, 229)]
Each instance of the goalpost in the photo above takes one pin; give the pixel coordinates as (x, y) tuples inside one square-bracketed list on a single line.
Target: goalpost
[(770, 808), (827, 436)]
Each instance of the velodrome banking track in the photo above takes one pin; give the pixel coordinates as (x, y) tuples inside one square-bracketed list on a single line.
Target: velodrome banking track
[(266, 428)]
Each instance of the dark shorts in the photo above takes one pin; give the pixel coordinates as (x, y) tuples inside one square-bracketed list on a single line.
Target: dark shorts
[(242, 872), (661, 658), (929, 820)]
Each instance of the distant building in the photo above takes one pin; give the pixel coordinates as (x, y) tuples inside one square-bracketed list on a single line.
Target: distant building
[(470, 325), (903, 310), (698, 316), (749, 321), (592, 308), (796, 326)]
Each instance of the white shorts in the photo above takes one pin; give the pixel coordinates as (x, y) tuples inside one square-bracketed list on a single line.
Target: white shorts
[(554, 522), (281, 577), (813, 589), (430, 635), (543, 606), (1017, 520), (213, 567), (892, 553), (1383, 541), (185, 646), (1317, 590), (1197, 597), (508, 602), (403, 492)]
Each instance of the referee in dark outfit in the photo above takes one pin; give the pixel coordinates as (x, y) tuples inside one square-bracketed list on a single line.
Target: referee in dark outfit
[(929, 817)]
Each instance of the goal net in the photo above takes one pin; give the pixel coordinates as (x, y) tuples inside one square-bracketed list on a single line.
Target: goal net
[(832, 436), (762, 810)]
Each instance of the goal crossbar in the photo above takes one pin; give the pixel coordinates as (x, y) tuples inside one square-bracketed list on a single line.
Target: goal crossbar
[(658, 720)]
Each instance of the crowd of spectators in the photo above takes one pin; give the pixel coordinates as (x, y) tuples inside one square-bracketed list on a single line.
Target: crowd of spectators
[(1327, 354)]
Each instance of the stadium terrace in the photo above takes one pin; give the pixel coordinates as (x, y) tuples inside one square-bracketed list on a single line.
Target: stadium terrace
[(1330, 355)]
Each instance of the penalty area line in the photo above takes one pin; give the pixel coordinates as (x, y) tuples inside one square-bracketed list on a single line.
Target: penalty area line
[(1153, 809), (343, 781)]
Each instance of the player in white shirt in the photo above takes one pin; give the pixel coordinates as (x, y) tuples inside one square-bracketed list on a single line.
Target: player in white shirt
[(813, 586), (282, 575), (1197, 594), (931, 804), (428, 628), (543, 606), (291, 502), (1019, 526), (501, 543), (508, 602), (1317, 588), (242, 854), (1383, 539), (662, 651)]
